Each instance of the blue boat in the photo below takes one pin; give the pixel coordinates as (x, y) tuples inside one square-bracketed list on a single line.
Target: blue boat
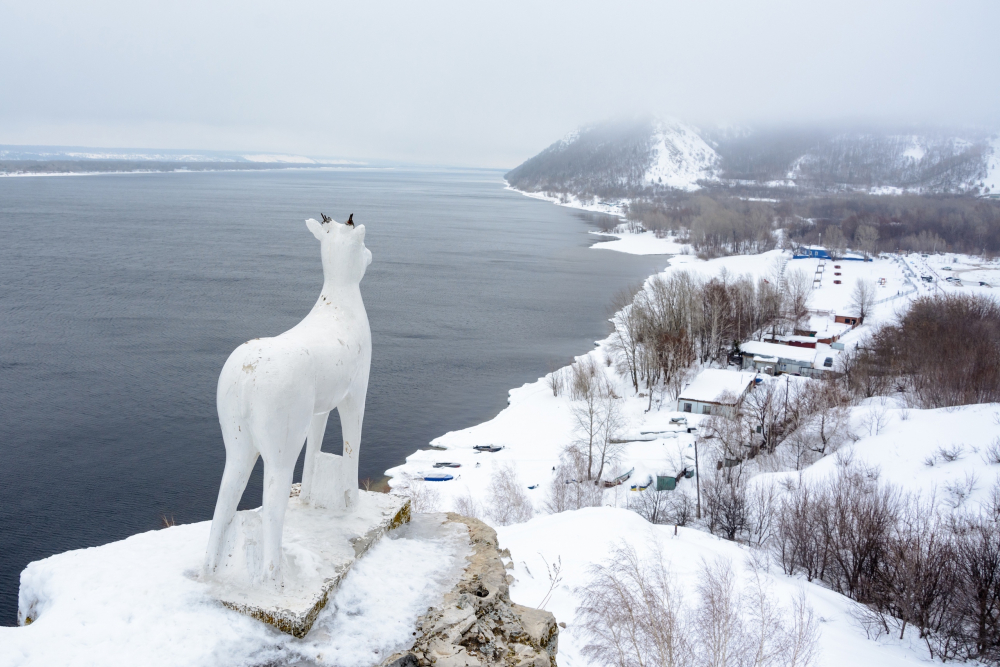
[(438, 478)]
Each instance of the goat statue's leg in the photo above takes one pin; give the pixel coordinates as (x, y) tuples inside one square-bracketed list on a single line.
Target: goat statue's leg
[(352, 414), (277, 482), (284, 441), (240, 459), (314, 441)]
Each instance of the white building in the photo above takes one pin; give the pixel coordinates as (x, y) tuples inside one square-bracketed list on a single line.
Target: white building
[(774, 358), (715, 392)]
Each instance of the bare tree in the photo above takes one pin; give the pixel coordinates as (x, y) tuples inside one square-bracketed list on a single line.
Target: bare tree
[(629, 320), (570, 489), (632, 614), (423, 498), (835, 242), (727, 502), (823, 418), (797, 292), (508, 502), (586, 410), (762, 409), (866, 240), (863, 298), (662, 507), (466, 505), (555, 381), (611, 421), (945, 350)]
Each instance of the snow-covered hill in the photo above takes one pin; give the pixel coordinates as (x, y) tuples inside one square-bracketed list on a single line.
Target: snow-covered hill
[(680, 157), (620, 159), (649, 156)]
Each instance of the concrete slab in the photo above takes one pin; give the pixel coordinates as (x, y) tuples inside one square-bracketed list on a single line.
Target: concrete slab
[(319, 546)]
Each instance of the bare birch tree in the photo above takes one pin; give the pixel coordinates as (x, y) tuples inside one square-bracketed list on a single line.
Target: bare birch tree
[(863, 298)]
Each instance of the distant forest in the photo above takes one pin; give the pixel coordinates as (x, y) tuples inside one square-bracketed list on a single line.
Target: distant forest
[(715, 225)]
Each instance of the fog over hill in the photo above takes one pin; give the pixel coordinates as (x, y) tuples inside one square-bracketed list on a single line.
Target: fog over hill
[(651, 156)]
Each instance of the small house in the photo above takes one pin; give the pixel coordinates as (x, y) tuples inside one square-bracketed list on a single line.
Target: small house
[(774, 359), (814, 251), (715, 392), (853, 320)]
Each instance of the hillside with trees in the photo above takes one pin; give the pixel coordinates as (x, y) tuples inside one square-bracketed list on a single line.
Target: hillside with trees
[(627, 159)]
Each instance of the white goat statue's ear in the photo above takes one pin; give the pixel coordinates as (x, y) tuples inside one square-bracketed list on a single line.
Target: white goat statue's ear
[(316, 229)]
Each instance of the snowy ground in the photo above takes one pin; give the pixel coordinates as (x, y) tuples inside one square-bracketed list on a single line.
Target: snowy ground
[(888, 275), (583, 537), (643, 243), (905, 445), (970, 271), (138, 602)]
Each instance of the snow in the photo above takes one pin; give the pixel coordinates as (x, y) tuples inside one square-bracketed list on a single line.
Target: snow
[(909, 439), (992, 179), (711, 383), (641, 243), (830, 296), (681, 157), (139, 602), (969, 270), (582, 538), (824, 324), (915, 151), (804, 354)]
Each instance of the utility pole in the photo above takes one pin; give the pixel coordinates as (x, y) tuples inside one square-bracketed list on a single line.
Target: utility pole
[(697, 479), (787, 378)]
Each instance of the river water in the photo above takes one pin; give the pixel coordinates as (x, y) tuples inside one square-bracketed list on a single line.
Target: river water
[(122, 295)]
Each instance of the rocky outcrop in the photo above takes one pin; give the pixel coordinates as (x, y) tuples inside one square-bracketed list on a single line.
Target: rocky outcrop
[(477, 624)]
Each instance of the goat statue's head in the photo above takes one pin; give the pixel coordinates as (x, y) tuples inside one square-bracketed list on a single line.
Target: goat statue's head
[(343, 250)]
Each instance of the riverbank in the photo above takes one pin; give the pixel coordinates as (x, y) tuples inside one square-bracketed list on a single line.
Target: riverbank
[(504, 471)]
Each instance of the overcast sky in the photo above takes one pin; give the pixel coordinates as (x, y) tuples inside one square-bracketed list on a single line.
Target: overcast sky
[(476, 83)]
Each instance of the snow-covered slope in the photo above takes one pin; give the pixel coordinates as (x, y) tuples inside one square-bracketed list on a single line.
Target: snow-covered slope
[(991, 182), (681, 157)]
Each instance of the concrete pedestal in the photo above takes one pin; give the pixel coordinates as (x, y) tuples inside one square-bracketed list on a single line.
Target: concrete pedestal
[(319, 546)]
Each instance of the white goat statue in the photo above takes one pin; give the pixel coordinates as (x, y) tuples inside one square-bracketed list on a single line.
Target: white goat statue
[(276, 393)]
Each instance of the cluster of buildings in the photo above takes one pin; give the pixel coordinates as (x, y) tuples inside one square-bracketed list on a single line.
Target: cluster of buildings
[(811, 352)]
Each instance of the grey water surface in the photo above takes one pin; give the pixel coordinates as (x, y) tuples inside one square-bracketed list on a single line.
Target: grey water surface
[(122, 295)]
